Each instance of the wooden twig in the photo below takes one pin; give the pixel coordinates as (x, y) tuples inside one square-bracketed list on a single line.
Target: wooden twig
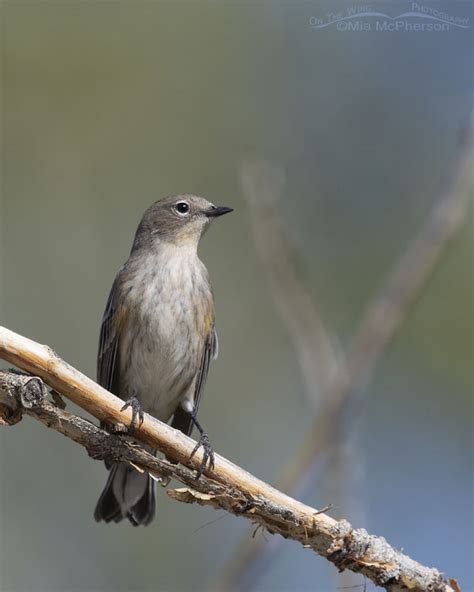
[(228, 487), (348, 374)]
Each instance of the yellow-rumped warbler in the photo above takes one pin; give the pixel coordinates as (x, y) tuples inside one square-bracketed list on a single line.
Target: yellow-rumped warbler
[(158, 338)]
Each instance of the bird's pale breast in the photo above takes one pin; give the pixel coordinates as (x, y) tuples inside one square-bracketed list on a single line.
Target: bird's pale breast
[(170, 302)]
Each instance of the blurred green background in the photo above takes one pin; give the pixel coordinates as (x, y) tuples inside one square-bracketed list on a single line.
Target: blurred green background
[(107, 106)]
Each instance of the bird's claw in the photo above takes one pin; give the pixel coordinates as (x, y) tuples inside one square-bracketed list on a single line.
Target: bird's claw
[(207, 455), (137, 411)]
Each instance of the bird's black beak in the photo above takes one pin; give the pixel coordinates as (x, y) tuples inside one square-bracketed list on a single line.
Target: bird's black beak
[(215, 211)]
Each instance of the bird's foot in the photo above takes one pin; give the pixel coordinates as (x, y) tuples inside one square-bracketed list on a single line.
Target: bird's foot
[(207, 455), (137, 412)]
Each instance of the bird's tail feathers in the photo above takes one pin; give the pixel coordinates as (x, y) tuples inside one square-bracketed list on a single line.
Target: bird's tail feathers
[(127, 494)]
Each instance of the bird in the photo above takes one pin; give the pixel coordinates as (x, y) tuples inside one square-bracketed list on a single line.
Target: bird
[(157, 340)]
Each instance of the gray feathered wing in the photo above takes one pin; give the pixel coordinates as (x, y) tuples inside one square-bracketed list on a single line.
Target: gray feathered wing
[(182, 420), (108, 363), (111, 508)]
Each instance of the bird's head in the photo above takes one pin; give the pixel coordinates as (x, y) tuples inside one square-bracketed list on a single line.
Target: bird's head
[(179, 219)]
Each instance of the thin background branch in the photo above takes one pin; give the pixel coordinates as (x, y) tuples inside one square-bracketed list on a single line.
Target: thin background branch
[(262, 183)]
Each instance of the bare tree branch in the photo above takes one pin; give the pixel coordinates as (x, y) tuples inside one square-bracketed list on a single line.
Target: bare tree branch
[(262, 184), (228, 487), (348, 375)]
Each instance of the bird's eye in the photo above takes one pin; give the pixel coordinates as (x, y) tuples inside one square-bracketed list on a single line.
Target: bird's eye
[(182, 208)]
